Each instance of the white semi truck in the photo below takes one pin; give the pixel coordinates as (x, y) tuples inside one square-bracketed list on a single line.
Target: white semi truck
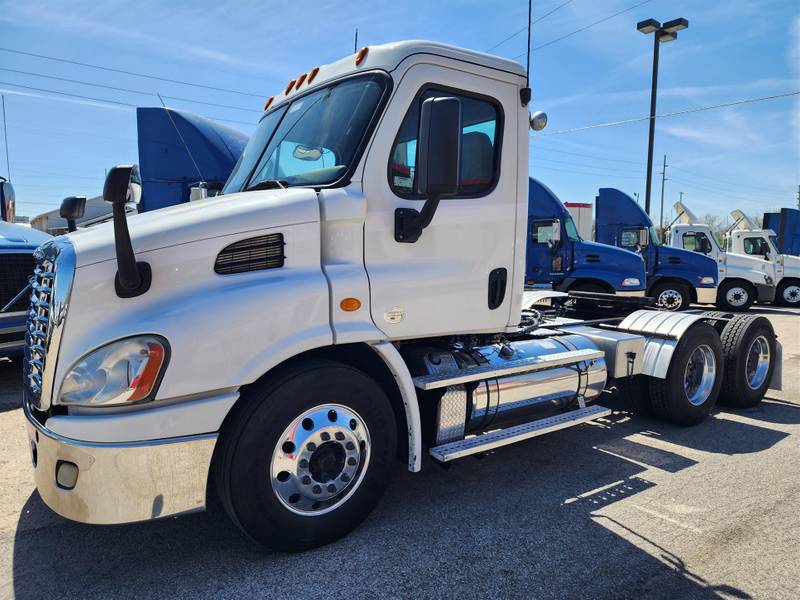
[(751, 268), (354, 296)]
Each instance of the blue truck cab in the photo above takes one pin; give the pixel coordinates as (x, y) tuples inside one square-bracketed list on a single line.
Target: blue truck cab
[(675, 277), (17, 244), (557, 257)]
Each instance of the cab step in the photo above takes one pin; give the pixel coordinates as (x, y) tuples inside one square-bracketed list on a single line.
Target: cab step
[(445, 378), (518, 433)]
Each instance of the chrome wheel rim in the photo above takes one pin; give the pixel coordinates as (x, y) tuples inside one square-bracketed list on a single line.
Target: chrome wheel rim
[(791, 294), (757, 364), (737, 296), (320, 460), (670, 299), (699, 375)]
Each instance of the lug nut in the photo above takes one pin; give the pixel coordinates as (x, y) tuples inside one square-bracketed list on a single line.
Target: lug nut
[(304, 464), (351, 461), (345, 477), (316, 489), (339, 436), (331, 488), (311, 446), (350, 446), (325, 436), (306, 480)]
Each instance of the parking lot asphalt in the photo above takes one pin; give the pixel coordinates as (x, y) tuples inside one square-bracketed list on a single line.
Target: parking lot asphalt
[(624, 508)]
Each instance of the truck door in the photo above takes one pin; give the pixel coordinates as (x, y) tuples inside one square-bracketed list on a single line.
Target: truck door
[(459, 275), (547, 260)]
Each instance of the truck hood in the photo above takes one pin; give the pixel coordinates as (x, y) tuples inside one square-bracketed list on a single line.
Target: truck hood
[(203, 219), (17, 237), (698, 264), (627, 261)]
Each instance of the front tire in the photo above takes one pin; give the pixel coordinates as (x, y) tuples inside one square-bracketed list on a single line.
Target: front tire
[(735, 296), (689, 392), (306, 456), (788, 293), (671, 296)]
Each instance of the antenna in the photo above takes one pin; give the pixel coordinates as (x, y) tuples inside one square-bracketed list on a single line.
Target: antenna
[(355, 42), (5, 135), (525, 93), (185, 145)]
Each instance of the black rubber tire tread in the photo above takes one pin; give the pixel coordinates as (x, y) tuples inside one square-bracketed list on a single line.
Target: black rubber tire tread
[(723, 304), (736, 339), (779, 300), (680, 287), (668, 396), (253, 507)]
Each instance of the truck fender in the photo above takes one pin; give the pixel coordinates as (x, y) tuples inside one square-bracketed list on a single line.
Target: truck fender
[(673, 276), (577, 277), (662, 332), (397, 366)]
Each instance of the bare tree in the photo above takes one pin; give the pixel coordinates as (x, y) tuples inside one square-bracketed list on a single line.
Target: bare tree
[(716, 224)]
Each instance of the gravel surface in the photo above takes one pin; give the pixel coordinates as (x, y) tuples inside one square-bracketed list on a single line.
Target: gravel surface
[(628, 508)]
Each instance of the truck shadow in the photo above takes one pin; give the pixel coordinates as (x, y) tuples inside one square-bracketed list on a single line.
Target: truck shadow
[(10, 384), (523, 522)]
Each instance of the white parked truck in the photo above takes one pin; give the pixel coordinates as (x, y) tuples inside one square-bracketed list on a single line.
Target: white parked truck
[(747, 273), (354, 295)]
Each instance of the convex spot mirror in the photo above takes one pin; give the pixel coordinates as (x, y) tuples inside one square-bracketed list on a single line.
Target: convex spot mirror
[(555, 237), (644, 237), (307, 153)]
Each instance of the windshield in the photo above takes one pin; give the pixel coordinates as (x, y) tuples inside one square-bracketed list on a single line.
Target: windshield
[(654, 239), (572, 231), (312, 140)]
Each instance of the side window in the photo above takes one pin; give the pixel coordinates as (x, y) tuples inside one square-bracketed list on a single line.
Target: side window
[(690, 242), (755, 245), (629, 238), (480, 124), (541, 232)]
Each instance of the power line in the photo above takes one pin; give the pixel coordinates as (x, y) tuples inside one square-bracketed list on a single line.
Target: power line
[(586, 173), (585, 27), (127, 90), (133, 73), (583, 165), (669, 114), (722, 193), (728, 182), (534, 22), (594, 156), (53, 174), (103, 100)]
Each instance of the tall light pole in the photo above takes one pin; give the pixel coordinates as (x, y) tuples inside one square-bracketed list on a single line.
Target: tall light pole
[(667, 32)]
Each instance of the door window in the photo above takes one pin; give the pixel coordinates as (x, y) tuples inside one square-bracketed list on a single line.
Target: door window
[(629, 238), (697, 242), (542, 232), (480, 146), (756, 245)]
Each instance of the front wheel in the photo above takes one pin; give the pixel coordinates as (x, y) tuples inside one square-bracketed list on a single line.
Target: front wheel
[(735, 295), (689, 392), (671, 296), (788, 293), (307, 456)]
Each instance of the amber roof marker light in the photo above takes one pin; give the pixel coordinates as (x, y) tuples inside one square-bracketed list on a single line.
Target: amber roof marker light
[(312, 73), (300, 80), (268, 102), (289, 87), (362, 54)]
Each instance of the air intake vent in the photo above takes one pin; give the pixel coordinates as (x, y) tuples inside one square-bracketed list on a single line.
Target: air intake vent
[(253, 254), (592, 258)]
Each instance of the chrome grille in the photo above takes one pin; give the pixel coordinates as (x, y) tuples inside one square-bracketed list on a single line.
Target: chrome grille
[(54, 267)]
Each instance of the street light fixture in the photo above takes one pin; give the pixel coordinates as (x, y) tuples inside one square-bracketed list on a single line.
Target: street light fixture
[(668, 32)]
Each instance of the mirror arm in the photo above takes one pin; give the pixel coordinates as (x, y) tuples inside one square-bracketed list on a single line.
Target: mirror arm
[(409, 222), (133, 278)]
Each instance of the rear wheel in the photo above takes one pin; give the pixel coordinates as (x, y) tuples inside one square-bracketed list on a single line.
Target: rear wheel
[(307, 456), (735, 295), (749, 351), (689, 392), (671, 296), (788, 293)]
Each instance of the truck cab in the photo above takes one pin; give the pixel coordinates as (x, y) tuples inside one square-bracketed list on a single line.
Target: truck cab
[(786, 225), (746, 274), (354, 295), (557, 257), (675, 278)]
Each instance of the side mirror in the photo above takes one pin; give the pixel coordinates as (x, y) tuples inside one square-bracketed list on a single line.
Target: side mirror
[(122, 186), (438, 164), (7, 202), (72, 209), (555, 237), (766, 256), (644, 237)]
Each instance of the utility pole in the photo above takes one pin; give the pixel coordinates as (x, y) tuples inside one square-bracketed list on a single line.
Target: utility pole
[(663, 179), (5, 136)]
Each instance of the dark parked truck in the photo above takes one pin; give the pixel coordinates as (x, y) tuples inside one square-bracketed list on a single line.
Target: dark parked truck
[(786, 225), (675, 277), (17, 244), (557, 257)]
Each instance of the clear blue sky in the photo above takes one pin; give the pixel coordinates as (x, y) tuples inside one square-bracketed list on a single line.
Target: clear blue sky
[(745, 156)]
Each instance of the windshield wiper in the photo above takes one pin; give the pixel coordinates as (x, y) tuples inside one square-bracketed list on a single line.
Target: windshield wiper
[(268, 184)]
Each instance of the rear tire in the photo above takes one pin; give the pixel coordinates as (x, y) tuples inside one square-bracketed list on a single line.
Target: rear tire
[(281, 488), (788, 293), (749, 352), (689, 392), (671, 296), (735, 295)]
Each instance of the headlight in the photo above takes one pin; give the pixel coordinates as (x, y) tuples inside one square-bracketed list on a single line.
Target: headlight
[(707, 280), (629, 281), (121, 372)]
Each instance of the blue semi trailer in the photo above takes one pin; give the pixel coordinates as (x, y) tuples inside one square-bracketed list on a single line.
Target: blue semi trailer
[(557, 257), (786, 225), (675, 277)]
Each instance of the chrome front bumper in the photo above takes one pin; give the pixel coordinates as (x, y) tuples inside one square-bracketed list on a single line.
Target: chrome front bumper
[(706, 295), (120, 482)]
